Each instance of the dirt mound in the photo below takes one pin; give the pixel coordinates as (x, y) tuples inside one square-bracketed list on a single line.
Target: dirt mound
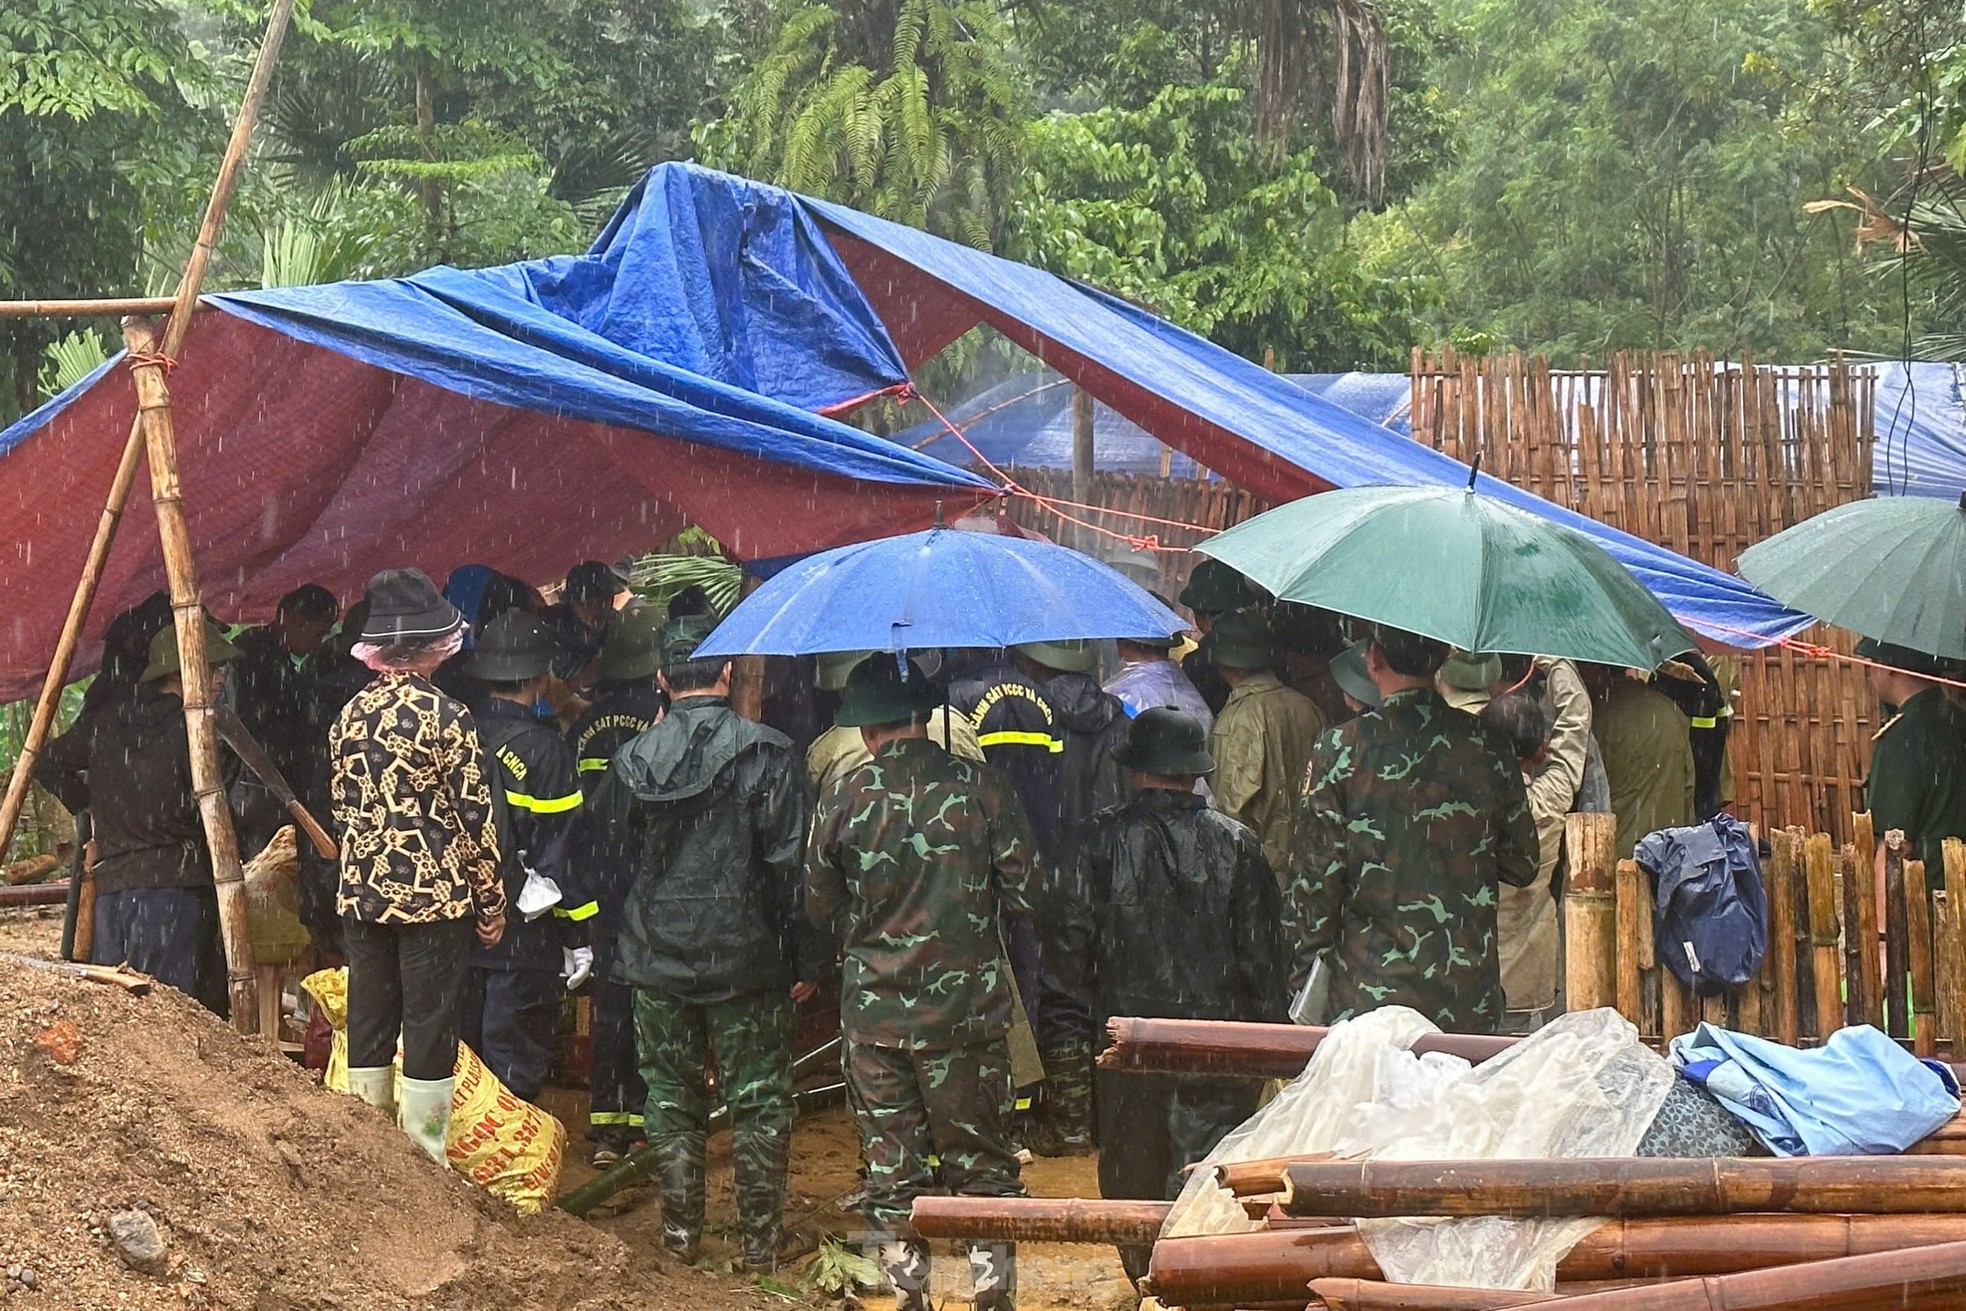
[(272, 1193)]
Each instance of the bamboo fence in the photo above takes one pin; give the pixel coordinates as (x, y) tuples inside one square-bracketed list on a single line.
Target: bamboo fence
[(1702, 457)]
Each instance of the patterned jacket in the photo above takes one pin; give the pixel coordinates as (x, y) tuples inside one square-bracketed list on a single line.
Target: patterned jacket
[(1414, 814), (914, 858), (419, 837)]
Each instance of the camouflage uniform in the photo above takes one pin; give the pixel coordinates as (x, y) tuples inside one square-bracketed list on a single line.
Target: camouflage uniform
[(916, 855), (1414, 813)]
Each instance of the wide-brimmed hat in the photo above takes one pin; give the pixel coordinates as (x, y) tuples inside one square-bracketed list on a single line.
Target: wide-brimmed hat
[(831, 669), (1349, 673), (1466, 678), (164, 659), (1906, 660), (632, 647), (1165, 740), (1215, 588), (883, 690), (681, 637), (592, 580), (513, 648), (1072, 656), (405, 606), (1242, 641)]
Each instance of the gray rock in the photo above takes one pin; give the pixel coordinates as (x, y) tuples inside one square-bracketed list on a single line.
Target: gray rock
[(27, 1279), (139, 1242)]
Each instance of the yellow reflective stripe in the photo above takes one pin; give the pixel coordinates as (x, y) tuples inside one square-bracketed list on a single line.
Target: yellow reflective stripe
[(578, 913), (543, 805), (1013, 738), (614, 1117), (1705, 721), (593, 764)]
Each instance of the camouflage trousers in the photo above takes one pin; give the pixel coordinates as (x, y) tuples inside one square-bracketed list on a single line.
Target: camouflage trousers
[(929, 1116), (751, 1039)]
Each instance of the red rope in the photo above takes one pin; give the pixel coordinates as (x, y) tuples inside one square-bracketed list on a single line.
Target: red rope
[(855, 402), (150, 360), (1147, 542), (1817, 651)]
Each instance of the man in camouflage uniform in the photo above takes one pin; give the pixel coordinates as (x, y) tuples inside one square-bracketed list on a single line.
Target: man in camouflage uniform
[(915, 856), (712, 810), (1414, 814)]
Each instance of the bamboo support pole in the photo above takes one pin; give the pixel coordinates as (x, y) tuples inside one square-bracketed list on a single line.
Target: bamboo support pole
[(1040, 1219), (1819, 872), (1926, 1277), (1897, 940), (1784, 919), (1634, 909), (1624, 1187), (1376, 1295), (1590, 912), (1918, 932), (1866, 981), (175, 328), (1950, 949), (105, 307), (1277, 1265), (1255, 1051), (34, 894)]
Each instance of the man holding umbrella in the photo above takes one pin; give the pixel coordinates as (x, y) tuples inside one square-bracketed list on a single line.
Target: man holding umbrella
[(1414, 814)]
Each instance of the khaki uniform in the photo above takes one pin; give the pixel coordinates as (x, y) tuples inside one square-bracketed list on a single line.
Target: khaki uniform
[(838, 751), (1527, 941), (1261, 743), (1648, 761)]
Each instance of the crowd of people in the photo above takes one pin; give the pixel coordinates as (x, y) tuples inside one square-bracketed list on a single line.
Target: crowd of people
[(984, 854)]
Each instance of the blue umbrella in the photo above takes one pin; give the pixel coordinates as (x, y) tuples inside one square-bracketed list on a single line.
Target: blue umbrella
[(940, 588)]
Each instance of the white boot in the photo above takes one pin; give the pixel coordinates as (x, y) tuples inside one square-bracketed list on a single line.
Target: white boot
[(376, 1085), (425, 1114)]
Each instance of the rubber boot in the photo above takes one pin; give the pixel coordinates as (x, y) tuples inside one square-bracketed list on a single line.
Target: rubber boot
[(679, 1183), (1064, 1118), (759, 1163), (993, 1272), (425, 1115), (376, 1085), (905, 1264)]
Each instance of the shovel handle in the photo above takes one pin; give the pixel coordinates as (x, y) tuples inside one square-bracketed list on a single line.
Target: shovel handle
[(323, 844)]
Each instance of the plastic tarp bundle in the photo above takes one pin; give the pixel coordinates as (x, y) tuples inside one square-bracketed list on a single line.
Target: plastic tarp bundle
[(328, 432), (1859, 1094), (1583, 1085)]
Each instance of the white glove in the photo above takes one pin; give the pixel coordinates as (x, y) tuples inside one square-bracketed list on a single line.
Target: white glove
[(578, 964)]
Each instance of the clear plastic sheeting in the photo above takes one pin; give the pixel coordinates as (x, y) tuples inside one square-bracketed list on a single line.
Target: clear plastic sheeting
[(1582, 1086)]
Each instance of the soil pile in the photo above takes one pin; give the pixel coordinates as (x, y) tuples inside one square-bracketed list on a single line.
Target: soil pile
[(269, 1192)]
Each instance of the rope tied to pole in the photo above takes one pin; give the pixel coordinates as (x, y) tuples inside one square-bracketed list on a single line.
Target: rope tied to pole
[(151, 360)]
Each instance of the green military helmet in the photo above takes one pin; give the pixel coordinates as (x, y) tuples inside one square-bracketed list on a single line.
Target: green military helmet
[(632, 647), (681, 637), (1349, 673), (883, 690), (832, 668), (1467, 677), (1072, 656), (1167, 741), (164, 659), (513, 648), (1242, 641), (1215, 588)]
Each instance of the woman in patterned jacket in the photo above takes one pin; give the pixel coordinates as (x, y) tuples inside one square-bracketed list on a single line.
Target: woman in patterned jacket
[(419, 854)]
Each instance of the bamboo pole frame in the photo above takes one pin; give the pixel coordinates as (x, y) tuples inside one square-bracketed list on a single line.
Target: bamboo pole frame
[(105, 307), (151, 435)]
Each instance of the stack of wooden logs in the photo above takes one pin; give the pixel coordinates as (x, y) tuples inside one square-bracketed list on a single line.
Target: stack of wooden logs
[(1822, 1232)]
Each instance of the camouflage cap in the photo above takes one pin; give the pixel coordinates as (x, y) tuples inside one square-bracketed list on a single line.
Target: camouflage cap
[(883, 690), (681, 637), (1215, 588), (1242, 641), (164, 659)]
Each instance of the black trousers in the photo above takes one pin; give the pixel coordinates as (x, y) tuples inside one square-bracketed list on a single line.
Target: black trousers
[(511, 1019), (407, 978), (1152, 1127), (171, 934), (614, 1075)]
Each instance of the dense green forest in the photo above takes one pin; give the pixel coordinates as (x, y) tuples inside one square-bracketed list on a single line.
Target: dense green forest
[(1322, 183)]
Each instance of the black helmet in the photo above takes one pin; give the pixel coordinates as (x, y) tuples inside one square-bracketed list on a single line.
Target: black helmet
[(513, 648), (1167, 741)]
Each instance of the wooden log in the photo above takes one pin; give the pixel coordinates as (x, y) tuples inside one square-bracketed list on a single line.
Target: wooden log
[(1819, 871), (1623, 1186), (1634, 909), (1261, 1178), (1951, 949), (1866, 982), (1590, 912), (1897, 939), (104, 307), (1376, 1295), (33, 869), (1918, 957), (34, 894), (1784, 918), (175, 328), (1924, 1277), (84, 945), (1040, 1219), (1255, 1051), (1276, 1265)]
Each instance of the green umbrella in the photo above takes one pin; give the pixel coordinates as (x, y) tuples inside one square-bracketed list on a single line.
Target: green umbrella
[(1892, 568), (1457, 566)]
